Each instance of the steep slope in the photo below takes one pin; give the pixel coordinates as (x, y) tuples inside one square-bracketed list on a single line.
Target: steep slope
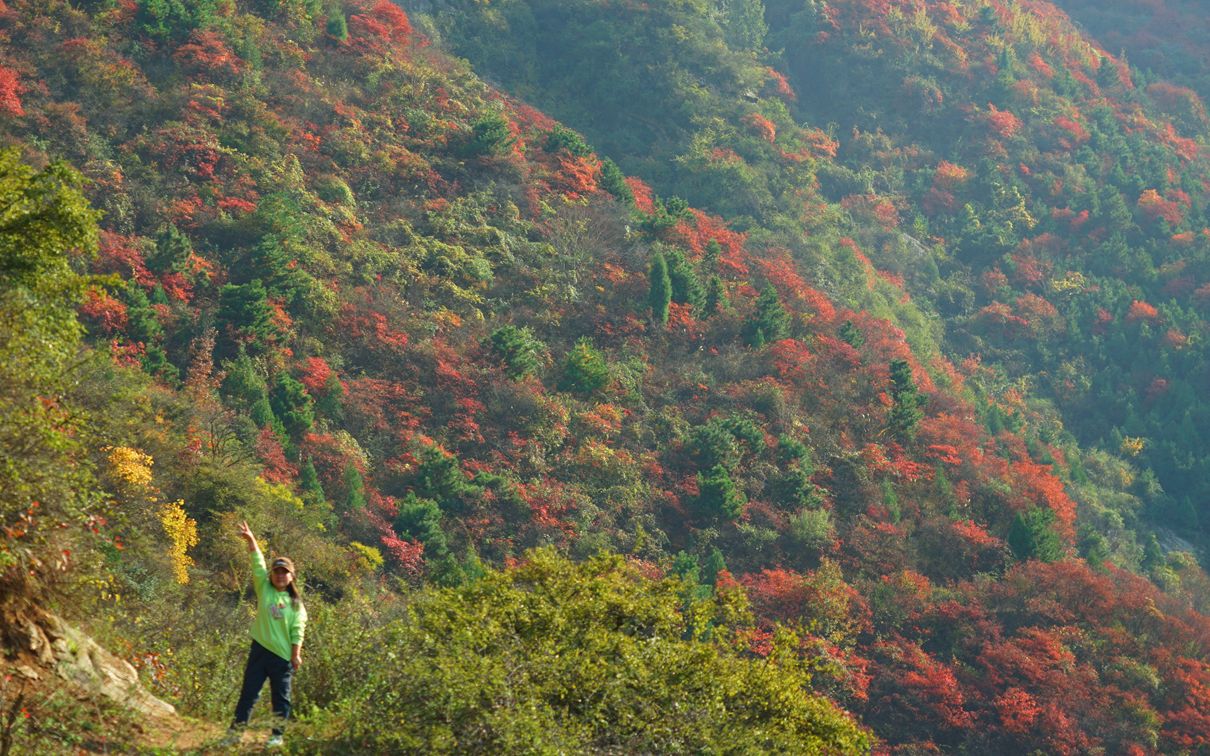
[(408, 326), (1166, 41), (1062, 206)]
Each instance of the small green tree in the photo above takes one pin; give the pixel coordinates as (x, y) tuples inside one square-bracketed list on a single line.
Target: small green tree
[(584, 369), (811, 529), (244, 317), (686, 289), (716, 297), (336, 26), (420, 519), (355, 490), (563, 139), (769, 322), (243, 383), (439, 477), (517, 348), (659, 292), (491, 136), (308, 483), (715, 563), (1032, 536), (168, 20), (906, 409), (292, 404), (718, 497), (172, 250), (850, 334), (614, 182)]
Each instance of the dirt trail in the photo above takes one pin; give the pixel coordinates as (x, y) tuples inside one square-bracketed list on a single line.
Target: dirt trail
[(51, 714)]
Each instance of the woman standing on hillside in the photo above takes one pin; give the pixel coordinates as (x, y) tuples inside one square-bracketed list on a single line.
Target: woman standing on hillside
[(277, 637)]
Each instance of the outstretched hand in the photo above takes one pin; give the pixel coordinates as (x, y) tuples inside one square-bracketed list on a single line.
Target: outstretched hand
[(245, 532)]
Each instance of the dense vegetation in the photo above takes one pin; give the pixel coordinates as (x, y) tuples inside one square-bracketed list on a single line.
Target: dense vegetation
[(838, 394)]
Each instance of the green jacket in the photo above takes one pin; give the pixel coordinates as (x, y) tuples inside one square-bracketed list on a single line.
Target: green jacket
[(279, 623)]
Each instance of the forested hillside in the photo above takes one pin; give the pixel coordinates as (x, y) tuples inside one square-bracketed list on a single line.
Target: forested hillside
[(826, 377)]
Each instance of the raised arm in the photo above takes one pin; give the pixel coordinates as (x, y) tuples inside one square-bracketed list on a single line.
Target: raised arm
[(245, 532), (260, 575)]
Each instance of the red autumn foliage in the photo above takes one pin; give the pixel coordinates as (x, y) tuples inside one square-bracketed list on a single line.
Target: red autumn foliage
[(121, 255), (1038, 485), (1029, 270), (1041, 317), (277, 469), (315, 375), (1040, 66), (917, 691), (1075, 132), (207, 53), (374, 30), (821, 143), (1018, 711), (1187, 149), (372, 329), (407, 556), (550, 502), (10, 93), (578, 175), (378, 407), (1002, 122), (1187, 723), (107, 313), (1155, 207), (703, 229), (999, 319), (330, 457), (793, 362), (780, 270), (949, 176), (644, 198), (779, 594), (763, 127), (1140, 310), (782, 86)]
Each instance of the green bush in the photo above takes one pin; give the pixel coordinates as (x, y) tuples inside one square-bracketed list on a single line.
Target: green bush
[(556, 657)]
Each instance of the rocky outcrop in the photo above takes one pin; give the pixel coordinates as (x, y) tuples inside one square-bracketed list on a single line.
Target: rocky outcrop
[(80, 660)]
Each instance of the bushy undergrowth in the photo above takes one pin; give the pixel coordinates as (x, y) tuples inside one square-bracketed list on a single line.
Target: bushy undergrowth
[(550, 656)]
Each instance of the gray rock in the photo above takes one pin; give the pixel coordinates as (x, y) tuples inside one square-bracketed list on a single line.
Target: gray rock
[(81, 660)]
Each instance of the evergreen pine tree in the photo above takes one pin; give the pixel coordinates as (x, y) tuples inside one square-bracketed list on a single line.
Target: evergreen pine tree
[(659, 293), (172, 251), (850, 334), (517, 348), (718, 496), (337, 26), (308, 483), (716, 297), (715, 563), (686, 289), (769, 323), (355, 490), (292, 404), (584, 369), (1032, 536), (614, 181), (905, 411)]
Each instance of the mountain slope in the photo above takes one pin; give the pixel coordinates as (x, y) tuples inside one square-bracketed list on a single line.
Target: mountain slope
[(1000, 163), (410, 327)]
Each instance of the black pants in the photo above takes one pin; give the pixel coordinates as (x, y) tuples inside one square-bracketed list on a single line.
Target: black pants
[(263, 663)]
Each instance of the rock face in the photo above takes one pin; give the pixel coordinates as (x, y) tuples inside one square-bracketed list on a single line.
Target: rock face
[(80, 660)]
